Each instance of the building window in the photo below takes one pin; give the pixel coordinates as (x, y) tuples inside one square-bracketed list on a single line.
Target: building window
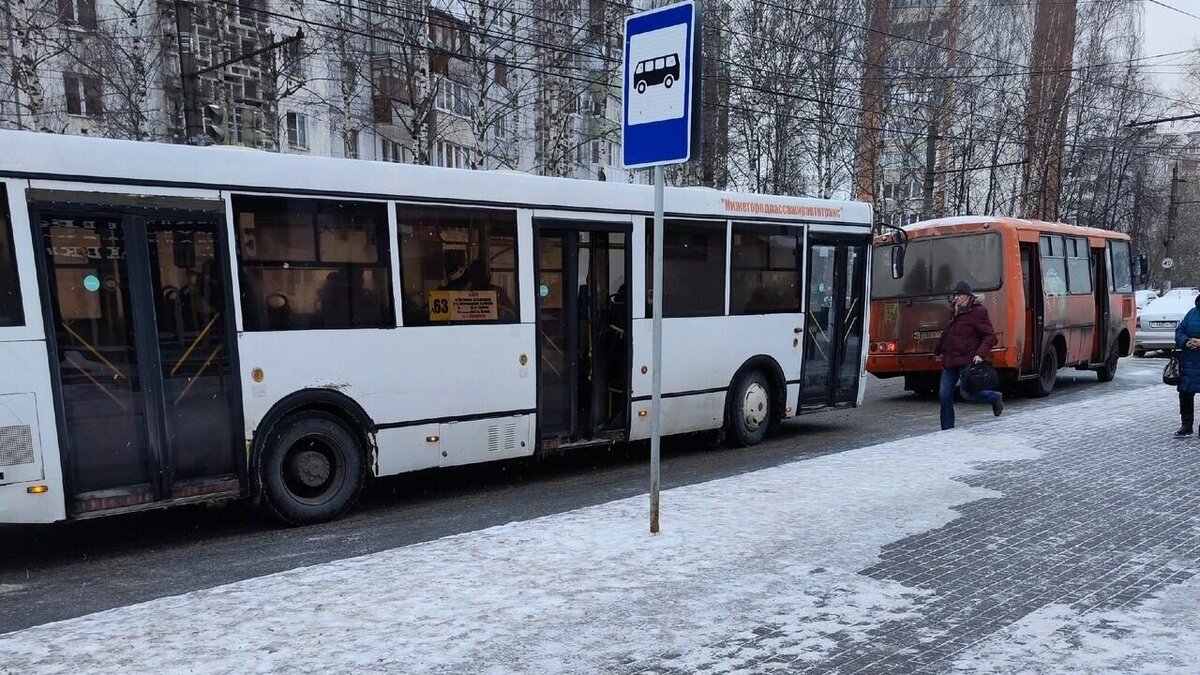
[(293, 58), (765, 270), (452, 156), (500, 75), (11, 311), (390, 150), (693, 268), (458, 265), (453, 98), (297, 130), (84, 95), (80, 12), (309, 264)]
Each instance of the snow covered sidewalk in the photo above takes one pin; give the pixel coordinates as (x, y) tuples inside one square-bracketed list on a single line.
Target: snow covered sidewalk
[(770, 563)]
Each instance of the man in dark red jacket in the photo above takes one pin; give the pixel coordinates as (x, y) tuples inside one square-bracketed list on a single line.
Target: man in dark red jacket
[(968, 339)]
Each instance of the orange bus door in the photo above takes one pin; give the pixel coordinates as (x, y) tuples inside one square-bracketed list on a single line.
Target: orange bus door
[(1103, 330), (1035, 316)]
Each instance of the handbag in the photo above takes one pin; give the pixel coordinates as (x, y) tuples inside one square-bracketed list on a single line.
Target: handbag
[(981, 377), (1171, 370)]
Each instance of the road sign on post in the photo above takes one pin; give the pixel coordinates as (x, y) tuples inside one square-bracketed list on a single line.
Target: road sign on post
[(658, 127), (661, 86)]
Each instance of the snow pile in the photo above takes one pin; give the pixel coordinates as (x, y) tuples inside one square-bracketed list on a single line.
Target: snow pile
[(773, 553)]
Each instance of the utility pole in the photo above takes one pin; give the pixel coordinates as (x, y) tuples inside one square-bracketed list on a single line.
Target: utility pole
[(1172, 218), (878, 23), (187, 65), (12, 54)]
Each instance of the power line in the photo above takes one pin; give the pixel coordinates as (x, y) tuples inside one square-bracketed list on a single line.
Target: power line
[(1173, 9)]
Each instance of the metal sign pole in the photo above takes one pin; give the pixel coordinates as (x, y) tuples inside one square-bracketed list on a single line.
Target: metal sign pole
[(656, 354)]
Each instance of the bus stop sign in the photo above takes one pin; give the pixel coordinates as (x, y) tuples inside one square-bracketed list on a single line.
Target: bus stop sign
[(661, 86)]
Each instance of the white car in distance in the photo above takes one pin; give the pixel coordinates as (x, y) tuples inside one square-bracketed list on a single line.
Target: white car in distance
[(1157, 320)]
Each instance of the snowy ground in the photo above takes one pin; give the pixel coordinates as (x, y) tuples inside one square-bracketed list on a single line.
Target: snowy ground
[(591, 591)]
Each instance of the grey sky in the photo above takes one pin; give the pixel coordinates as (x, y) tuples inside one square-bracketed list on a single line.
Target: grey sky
[(1169, 31)]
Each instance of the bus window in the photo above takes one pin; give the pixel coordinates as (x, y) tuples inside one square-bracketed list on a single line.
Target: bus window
[(765, 274), (1121, 280), (458, 265), (1079, 268), (310, 263), (933, 265), (693, 268), (11, 313), (1054, 265)]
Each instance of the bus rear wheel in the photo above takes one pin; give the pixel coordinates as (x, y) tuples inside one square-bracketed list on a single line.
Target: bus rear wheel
[(1108, 371), (312, 469), (1047, 376), (750, 412)]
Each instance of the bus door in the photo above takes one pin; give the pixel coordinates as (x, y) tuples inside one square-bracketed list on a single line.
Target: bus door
[(1031, 274), (583, 322), (1103, 331), (834, 311), (143, 351)]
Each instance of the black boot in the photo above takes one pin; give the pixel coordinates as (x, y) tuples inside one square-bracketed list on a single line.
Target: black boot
[(1183, 432)]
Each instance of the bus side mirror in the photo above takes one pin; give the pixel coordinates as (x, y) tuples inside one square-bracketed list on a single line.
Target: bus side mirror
[(898, 261)]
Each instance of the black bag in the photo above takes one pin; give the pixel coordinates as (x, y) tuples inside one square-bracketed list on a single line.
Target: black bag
[(1171, 371), (980, 377)]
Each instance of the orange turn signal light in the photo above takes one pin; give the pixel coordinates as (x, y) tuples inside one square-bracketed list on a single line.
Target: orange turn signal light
[(37, 489)]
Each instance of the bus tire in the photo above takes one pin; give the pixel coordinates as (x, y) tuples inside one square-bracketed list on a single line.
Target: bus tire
[(1047, 376), (750, 411), (668, 81), (1108, 371), (312, 469)]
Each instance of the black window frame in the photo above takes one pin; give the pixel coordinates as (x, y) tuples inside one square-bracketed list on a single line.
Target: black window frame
[(465, 212), (14, 316), (796, 232), (721, 226), (242, 203)]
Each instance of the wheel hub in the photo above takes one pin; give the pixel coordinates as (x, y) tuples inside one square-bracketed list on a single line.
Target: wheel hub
[(755, 407), (311, 468)]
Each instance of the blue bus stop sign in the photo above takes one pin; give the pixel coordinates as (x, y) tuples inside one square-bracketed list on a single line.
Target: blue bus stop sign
[(659, 86)]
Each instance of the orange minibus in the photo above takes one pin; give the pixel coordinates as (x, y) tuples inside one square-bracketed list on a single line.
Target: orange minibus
[(1058, 296)]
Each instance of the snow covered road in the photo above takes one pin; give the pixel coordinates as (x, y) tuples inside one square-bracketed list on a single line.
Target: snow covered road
[(758, 571)]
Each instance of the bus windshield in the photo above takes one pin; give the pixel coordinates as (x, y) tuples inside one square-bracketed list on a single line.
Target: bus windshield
[(933, 265)]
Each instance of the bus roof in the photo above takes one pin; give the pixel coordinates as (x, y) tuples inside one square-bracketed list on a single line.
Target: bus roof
[(961, 224), (97, 160)]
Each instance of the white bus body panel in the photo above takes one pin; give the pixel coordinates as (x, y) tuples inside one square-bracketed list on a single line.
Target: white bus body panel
[(30, 435), (400, 376), (716, 347)]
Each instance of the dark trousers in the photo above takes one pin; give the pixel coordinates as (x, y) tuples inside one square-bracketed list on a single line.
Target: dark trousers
[(1187, 409), (951, 380)]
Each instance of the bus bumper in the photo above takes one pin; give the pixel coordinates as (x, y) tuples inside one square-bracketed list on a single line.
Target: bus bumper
[(23, 503)]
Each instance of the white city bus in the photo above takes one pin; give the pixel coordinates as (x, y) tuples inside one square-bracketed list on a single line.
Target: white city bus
[(182, 324)]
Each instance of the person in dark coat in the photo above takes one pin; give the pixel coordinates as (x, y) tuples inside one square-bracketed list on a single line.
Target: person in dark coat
[(967, 340), (1187, 339)]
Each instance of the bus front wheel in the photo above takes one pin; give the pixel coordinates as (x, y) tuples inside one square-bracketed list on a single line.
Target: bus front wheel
[(312, 469), (641, 87), (750, 411), (668, 81)]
